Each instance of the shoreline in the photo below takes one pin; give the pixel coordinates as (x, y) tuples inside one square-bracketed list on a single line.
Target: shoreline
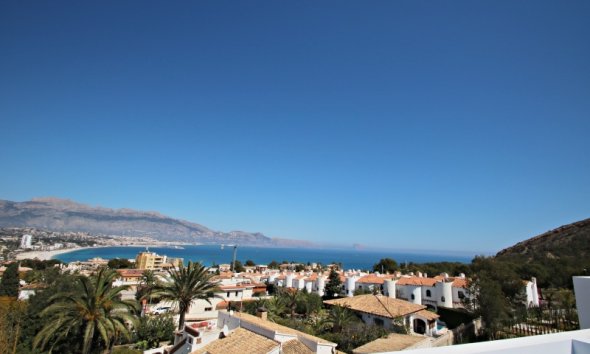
[(47, 255)]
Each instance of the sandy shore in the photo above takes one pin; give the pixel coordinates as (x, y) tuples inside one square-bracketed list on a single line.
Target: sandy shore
[(46, 255)]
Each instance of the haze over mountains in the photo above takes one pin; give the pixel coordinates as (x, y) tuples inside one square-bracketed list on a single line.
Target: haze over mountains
[(65, 215)]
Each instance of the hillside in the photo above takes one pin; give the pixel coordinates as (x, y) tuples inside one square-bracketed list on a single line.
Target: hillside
[(554, 256), (64, 215)]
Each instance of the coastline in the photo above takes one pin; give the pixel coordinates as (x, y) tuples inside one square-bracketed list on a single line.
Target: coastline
[(47, 255)]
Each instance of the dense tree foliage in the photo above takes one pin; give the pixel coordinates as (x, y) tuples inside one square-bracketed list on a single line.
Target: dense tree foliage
[(10, 281), (238, 267), (385, 265), (120, 263), (250, 263), (93, 313), (151, 330), (12, 321), (37, 264)]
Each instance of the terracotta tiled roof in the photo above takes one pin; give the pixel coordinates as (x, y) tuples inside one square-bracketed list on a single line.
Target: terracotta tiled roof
[(312, 277), (417, 281), (240, 341), (460, 283), (371, 279), (428, 315), (295, 347), (271, 326), (235, 287), (378, 305), (130, 272), (393, 342)]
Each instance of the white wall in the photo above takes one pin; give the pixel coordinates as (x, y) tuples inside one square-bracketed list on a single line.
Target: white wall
[(582, 290), (574, 342)]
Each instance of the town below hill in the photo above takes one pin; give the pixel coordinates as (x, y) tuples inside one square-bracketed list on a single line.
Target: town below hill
[(62, 215)]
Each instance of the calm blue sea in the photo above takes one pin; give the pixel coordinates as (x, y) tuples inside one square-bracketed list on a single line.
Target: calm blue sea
[(209, 254)]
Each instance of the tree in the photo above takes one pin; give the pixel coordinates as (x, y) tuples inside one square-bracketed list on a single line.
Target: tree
[(94, 314), (238, 267), (339, 317), (309, 303), (290, 298), (273, 265), (334, 285), (52, 282), (12, 318), (151, 330), (10, 281), (385, 265), (147, 285), (489, 303), (185, 285), (119, 263), (250, 263)]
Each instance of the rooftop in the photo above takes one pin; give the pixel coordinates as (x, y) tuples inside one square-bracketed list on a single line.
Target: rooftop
[(234, 344), (393, 342), (271, 326), (378, 305)]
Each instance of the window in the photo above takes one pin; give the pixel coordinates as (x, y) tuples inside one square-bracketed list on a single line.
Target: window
[(208, 308), (428, 293), (190, 340), (461, 295), (378, 322), (236, 293), (228, 294), (412, 296), (442, 298)]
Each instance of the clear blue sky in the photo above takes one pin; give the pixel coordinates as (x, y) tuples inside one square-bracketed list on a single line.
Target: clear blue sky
[(461, 125)]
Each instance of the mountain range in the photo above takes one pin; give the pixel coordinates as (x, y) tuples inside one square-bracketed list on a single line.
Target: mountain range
[(56, 214)]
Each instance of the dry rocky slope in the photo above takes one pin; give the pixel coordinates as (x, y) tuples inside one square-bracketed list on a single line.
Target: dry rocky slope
[(64, 215), (572, 240), (554, 256)]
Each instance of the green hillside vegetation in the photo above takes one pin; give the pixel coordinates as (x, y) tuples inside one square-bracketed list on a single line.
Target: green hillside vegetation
[(553, 257)]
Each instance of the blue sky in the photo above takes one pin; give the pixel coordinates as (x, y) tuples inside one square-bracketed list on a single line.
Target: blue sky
[(458, 125)]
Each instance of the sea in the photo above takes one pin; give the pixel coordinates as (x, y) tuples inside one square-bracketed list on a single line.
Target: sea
[(209, 255)]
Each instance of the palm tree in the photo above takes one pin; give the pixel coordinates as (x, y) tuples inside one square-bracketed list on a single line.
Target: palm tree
[(339, 317), (148, 283), (290, 298), (185, 285), (95, 312)]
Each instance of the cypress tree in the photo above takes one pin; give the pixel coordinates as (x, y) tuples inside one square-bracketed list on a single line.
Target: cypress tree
[(9, 283), (334, 285)]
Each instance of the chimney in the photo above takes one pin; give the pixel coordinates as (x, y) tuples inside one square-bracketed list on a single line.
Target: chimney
[(262, 313)]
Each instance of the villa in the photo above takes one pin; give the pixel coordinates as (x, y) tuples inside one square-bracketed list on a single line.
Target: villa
[(391, 313)]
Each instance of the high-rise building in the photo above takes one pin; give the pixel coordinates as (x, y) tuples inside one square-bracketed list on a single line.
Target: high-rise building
[(26, 241), (149, 260)]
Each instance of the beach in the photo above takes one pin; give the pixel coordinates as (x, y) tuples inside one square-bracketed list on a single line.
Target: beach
[(47, 255)]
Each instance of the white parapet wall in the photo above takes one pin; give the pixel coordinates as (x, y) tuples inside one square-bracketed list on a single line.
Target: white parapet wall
[(574, 342), (582, 290)]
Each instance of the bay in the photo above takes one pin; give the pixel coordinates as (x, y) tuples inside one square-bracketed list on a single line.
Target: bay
[(214, 254)]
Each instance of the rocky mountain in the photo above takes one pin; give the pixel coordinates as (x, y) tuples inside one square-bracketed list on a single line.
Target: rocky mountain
[(65, 215)]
